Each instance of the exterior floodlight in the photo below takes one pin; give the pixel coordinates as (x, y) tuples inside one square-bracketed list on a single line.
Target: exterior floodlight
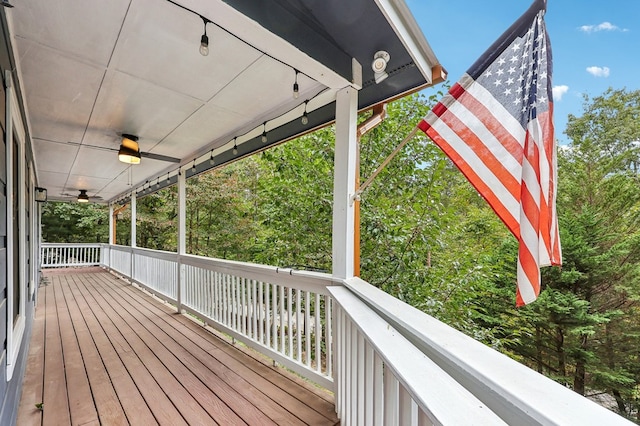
[(379, 65)]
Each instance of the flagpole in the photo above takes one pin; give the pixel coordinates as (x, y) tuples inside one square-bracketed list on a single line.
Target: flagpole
[(377, 117), (381, 167)]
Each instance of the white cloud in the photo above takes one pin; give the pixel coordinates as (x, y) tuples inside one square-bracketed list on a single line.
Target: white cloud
[(598, 71), (605, 26), (559, 91)]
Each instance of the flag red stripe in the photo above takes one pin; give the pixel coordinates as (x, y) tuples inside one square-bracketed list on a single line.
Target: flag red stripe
[(482, 152), (503, 213)]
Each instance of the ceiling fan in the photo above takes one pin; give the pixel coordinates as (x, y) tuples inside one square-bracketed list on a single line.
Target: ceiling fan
[(129, 147), (81, 196)]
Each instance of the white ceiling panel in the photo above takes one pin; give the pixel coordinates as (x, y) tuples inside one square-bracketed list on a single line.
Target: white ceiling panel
[(261, 87), (59, 107), (87, 29), (53, 156), (208, 124), (53, 181), (128, 104), (160, 42), (93, 162)]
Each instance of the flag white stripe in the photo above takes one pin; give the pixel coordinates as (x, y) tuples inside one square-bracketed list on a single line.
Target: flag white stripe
[(487, 138), (499, 190), (527, 292), (507, 120)]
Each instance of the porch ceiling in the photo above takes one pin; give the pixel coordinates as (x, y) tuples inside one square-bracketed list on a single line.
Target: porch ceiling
[(92, 70)]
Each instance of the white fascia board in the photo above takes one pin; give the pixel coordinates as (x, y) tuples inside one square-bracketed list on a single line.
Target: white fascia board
[(404, 24), (254, 34)]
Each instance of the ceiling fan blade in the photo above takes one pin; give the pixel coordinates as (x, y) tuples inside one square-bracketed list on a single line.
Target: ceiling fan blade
[(159, 157), (149, 155)]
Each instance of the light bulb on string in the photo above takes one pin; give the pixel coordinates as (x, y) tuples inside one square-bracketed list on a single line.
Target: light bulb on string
[(204, 40), (264, 132), (168, 178), (211, 160), (305, 117), (235, 147), (296, 88), (194, 166)]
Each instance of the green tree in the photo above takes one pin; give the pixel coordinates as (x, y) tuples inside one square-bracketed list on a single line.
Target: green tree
[(582, 329), (75, 223)]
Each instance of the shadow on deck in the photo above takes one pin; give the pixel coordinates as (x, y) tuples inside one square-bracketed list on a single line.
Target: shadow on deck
[(104, 352)]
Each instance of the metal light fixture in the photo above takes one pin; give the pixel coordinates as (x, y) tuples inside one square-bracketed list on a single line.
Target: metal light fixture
[(41, 195), (83, 197), (129, 150)]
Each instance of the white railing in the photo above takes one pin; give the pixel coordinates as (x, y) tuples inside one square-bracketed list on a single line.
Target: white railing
[(514, 392), (387, 362), (283, 313), (383, 379), (120, 260), (54, 255), (158, 271)]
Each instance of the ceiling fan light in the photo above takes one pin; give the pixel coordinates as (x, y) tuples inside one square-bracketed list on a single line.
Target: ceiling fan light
[(129, 150), (83, 197)]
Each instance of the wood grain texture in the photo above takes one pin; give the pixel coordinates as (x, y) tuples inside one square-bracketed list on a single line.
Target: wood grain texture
[(135, 361)]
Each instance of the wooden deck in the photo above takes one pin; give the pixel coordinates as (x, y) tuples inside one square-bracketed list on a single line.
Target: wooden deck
[(104, 352)]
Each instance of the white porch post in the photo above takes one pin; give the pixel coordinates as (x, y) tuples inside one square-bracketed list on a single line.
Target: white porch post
[(133, 219), (111, 242), (182, 233), (133, 232), (344, 182)]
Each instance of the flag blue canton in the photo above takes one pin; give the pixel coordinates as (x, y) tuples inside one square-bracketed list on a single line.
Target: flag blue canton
[(519, 78)]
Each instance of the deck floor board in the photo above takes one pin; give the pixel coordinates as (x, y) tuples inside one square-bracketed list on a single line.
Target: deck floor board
[(104, 352)]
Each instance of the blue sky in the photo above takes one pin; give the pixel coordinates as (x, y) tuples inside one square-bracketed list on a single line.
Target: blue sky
[(596, 45)]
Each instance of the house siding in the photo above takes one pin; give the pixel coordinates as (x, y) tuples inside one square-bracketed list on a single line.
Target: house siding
[(10, 390)]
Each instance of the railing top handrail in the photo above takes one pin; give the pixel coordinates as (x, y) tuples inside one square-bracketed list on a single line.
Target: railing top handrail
[(315, 281), (441, 398), (262, 272), (518, 394), (97, 245)]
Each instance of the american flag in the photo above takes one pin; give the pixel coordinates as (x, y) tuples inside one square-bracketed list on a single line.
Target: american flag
[(496, 125)]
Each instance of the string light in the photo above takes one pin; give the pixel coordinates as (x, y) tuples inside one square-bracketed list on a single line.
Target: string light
[(305, 117), (264, 132), (211, 160), (194, 165), (204, 40), (296, 88), (158, 183), (168, 178), (235, 147)]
